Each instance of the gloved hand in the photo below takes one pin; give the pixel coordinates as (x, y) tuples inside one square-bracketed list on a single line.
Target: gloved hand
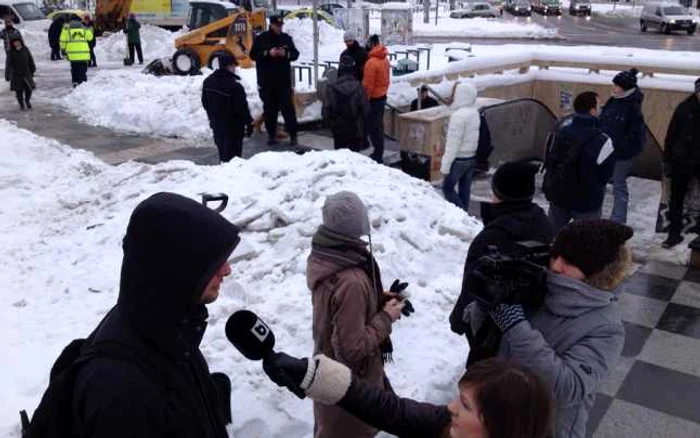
[(286, 371), (249, 130), (507, 315), (398, 288)]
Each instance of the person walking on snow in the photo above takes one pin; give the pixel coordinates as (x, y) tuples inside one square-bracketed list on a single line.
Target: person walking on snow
[(357, 52), (133, 38), (352, 315), (75, 42), (376, 80), (682, 160), (273, 52), (345, 107), (9, 33), (89, 24), (224, 100), (459, 159), (55, 36), (622, 120), (22, 70)]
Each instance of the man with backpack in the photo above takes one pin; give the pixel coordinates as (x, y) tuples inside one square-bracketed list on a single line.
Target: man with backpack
[(345, 107), (578, 165), (141, 372)]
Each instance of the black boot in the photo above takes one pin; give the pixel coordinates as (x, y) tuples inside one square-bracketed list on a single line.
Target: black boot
[(21, 104), (293, 140), (28, 103), (673, 240), (272, 141)]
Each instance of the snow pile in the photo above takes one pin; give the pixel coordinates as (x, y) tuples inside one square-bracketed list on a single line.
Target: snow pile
[(155, 43), (482, 28), (616, 11), (61, 255), (129, 101), (330, 38)]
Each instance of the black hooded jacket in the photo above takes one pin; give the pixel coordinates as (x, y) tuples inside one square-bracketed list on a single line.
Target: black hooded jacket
[(225, 102), (55, 29), (172, 248), (682, 145), (359, 55), (345, 106), (504, 224), (273, 72)]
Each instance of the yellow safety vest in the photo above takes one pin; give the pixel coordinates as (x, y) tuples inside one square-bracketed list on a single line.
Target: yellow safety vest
[(74, 41)]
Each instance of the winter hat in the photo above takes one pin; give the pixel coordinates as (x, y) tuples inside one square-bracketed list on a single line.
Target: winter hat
[(344, 213), (626, 79), (591, 245), (276, 19), (226, 60), (350, 36), (515, 181), (697, 86), (373, 40)]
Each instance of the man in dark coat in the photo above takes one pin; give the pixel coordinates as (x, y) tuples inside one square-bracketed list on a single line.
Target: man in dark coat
[(425, 100), (682, 159), (512, 218), (622, 120), (357, 52), (54, 36), (21, 72), (273, 52), (9, 33), (590, 172), (224, 100), (90, 24), (345, 107), (175, 259), (133, 38)]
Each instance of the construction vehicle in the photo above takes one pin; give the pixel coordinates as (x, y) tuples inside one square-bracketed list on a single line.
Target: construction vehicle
[(219, 28), (111, 15)]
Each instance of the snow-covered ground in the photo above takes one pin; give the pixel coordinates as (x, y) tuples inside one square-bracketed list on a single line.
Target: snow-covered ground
[(65, 212)]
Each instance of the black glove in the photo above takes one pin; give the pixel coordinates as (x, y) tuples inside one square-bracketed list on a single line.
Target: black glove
[(397, 287), (286, 371), (249, 130)]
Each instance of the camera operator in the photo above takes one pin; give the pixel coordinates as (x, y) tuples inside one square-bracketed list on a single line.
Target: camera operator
[(512, 217), (576, 337)]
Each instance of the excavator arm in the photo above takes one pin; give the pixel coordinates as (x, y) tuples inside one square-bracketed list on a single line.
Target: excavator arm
[(111, 15)]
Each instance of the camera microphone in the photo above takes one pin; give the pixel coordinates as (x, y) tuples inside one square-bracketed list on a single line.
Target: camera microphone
[(250, 335)]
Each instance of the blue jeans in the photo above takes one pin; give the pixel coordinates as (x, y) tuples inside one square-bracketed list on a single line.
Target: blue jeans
[(559, 216), (621, 195), (461, 174)]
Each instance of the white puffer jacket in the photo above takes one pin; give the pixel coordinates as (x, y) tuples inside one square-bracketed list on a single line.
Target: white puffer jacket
[(463, 129)]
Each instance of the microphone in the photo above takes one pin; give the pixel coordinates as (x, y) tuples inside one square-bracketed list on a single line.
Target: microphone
[(250, 335)]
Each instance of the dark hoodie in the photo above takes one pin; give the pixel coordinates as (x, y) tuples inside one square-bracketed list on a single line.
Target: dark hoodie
[(622, 120), (225, 102), (21, 68), (345, 106), (172, 248)]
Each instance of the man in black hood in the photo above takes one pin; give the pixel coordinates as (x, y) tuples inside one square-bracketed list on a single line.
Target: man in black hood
[(513, 217), (345, 107), (354, 50), (54, 36), (175, 258)]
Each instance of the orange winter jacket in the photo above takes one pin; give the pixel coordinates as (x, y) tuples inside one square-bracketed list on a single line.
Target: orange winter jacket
[(376, 79)]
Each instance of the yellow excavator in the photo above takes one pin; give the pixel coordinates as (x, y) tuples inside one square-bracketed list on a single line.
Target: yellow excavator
[(219, 28), (111, 15)]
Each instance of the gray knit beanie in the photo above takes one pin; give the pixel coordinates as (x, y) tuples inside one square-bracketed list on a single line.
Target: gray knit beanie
[(344, 213), (350, 36)]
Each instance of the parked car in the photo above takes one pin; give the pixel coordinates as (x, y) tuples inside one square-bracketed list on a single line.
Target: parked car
[(546, 7), (308, 13), (21, 11), (519, 7), (68, 14), (472, 10), (330, 8), (667, 18), (580, 7)]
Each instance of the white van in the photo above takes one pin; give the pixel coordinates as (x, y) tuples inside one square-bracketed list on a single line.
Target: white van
[(667, 17), (21, 11)]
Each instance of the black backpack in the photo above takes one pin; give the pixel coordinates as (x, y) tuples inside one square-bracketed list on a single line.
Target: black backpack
[(562, 179), (53, 418)]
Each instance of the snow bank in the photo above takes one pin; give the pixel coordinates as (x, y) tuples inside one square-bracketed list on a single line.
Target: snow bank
[(129, 101), (61, 254), (330, 38), (155, 43), (482, 28)]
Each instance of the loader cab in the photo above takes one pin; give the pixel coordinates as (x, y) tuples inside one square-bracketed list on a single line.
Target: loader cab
[(204, 12)]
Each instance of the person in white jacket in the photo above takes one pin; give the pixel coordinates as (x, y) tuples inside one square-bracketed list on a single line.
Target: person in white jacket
[(459, 159)]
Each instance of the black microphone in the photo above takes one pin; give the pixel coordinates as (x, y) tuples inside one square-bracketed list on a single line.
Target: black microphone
[(250, 335)]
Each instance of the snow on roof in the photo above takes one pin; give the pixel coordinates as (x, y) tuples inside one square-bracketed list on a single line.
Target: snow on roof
[(396, 5), (227, 5)]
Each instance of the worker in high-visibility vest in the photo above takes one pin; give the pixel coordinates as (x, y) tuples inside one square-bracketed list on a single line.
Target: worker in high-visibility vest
[(75, 43)]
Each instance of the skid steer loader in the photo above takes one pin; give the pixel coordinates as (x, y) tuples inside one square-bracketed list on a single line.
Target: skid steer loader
[(219, 28)]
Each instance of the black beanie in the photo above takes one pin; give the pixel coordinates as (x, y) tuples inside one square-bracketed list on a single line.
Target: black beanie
[(626, 79), (590, 245), (515, 181)]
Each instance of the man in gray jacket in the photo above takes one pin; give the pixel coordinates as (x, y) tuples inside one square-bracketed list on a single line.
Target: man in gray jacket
[(576, 338)]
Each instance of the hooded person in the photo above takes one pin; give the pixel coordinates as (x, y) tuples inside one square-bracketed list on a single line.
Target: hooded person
[(352, 315), (175, 259), (575, 339), (377, 77), (54, 35), (462, 141), (622, 120), (512, 217), (345, 107), (133, 38), (21, 72), (356, 52)]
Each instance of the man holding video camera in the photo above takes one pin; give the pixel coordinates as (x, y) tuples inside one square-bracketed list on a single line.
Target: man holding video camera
[(575, 338)]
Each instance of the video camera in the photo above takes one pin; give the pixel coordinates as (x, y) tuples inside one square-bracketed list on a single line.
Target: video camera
[(518, 278)]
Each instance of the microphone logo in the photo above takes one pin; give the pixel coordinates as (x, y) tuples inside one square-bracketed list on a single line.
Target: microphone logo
[(260, 330)]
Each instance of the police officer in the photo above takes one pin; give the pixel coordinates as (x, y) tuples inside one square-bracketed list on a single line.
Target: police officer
[(75, 42)]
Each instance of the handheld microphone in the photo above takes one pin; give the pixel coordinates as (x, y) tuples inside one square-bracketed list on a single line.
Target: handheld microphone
[(250, 335)]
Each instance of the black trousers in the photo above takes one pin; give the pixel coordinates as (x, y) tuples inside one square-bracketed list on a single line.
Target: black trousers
[(375, 127), (55, 52), (137, 47), (93, 59), (680, 179), (274, 100), (229, 144), (78, 72), (355, 144), (24, 94)]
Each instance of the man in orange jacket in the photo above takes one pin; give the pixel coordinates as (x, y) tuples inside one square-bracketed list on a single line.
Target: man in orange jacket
[(376, 83)]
